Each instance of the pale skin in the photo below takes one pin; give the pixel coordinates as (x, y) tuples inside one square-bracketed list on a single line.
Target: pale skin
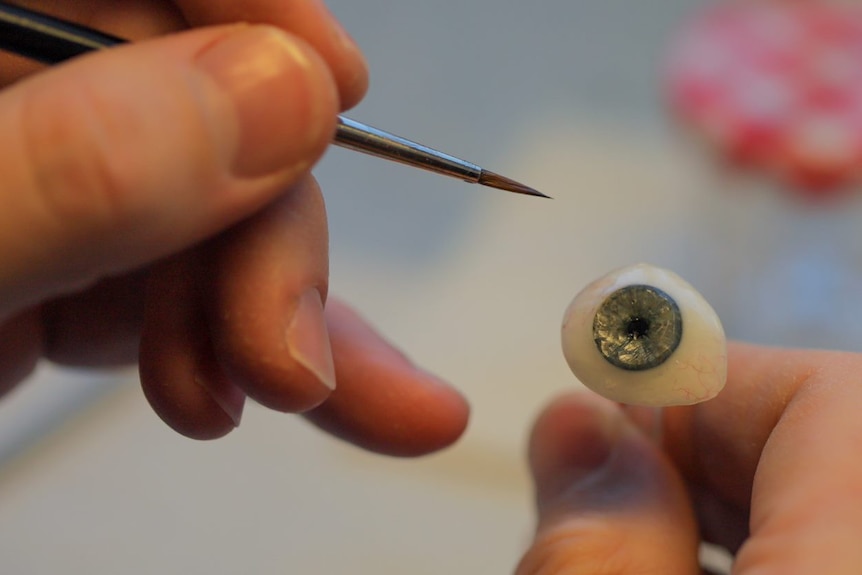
[(148, 216)]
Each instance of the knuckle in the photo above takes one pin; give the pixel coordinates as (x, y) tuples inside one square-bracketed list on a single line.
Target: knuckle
[(112, 156), (76, 169)]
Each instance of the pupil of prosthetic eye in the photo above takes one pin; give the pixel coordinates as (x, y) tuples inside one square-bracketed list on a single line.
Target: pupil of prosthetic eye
[(637, 327)]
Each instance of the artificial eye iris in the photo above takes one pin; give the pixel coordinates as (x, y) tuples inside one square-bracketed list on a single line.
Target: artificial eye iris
[(623, 338), (637, 327)]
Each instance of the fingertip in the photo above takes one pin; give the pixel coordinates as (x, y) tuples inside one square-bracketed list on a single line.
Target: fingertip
[(347, 62), (383, 402), (608, 502), (453, 426), (585, 455), (437, 418), (422, 418), (352, 77), (202, 407), (349, 65), (180, 376), (267, 284), (309, 19), (572, 438), (280, 358), (282, 95), (564, 415)]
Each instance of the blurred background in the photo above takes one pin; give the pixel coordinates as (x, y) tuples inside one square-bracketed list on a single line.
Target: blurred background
[(568, 97)]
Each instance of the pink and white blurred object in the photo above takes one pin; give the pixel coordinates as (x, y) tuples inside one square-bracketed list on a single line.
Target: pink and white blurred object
[(773, 88), (776, 87)]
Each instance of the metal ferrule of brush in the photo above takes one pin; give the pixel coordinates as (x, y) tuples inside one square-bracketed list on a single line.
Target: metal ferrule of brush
[(364, 138)]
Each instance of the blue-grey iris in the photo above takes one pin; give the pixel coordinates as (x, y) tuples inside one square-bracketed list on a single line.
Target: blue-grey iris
[(637, 327)]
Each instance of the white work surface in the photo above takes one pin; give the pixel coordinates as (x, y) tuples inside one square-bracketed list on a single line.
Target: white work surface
[(471, 282)]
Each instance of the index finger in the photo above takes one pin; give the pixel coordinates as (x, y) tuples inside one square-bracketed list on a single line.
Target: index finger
[(709, 439), (784, 435)]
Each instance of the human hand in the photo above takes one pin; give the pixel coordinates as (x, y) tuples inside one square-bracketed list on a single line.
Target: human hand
[(768, 469), (157, 206)]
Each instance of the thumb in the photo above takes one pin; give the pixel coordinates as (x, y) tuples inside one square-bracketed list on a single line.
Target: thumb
[(125, 156), (609, 503)]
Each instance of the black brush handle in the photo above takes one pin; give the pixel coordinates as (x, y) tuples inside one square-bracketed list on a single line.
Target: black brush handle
[(52, 40), (47, 39)]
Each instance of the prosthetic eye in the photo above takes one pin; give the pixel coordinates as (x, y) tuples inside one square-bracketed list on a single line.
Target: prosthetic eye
[(642, 335)]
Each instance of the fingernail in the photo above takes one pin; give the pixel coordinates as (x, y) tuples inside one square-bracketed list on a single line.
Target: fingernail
[(281, 94), (308, 339), (572, 446), (593, 439), (228, 397), (648, 419), (357, 81)]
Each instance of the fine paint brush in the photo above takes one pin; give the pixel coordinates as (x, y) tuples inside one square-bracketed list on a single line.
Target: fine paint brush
[(51, 40)]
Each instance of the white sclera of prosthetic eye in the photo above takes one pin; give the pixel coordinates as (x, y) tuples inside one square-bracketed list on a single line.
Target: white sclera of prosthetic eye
[(642, 335)]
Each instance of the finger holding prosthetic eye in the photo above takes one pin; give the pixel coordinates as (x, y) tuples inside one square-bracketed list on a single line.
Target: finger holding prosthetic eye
[(609, 499), (642, 335)]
